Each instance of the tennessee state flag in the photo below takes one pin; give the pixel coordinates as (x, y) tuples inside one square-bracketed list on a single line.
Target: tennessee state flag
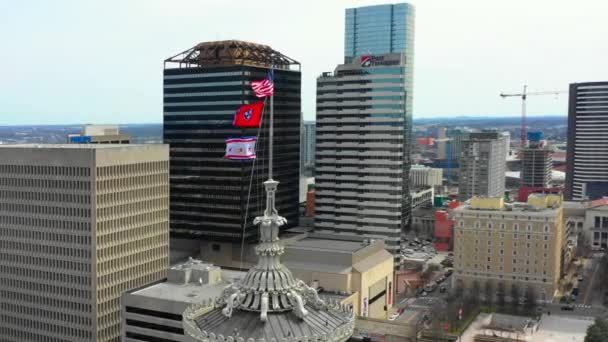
[(249, 115)]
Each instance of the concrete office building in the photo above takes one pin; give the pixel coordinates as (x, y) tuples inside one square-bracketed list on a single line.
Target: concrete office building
[(79, 225), (442, 143), (203, 88), (99, 134), (307, 148), (362, 162), (421, 176), (482, 165), (364, 128), (519, 244), (536, 162), (587, 157), (154, 312)]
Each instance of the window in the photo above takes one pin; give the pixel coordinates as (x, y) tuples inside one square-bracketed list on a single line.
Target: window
[(515, 227), (597, 222), (215, 247)]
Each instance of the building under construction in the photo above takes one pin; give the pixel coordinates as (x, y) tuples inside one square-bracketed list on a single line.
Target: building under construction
[(203, 88), (536, 162)]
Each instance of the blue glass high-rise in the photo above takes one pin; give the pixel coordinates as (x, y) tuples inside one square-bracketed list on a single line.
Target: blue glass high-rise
[(378, 30)]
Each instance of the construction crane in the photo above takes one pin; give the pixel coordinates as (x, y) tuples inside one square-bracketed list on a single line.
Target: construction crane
[(524, 96)]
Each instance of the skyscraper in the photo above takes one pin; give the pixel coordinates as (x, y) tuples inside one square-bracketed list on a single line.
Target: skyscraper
[(536, 162), (483, 165), (203, 88), (307, 154), (378, 30), (364, 125), (79, 225), (587, 157)]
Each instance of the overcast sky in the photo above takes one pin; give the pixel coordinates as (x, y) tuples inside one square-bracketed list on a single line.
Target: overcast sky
[(101, 61)]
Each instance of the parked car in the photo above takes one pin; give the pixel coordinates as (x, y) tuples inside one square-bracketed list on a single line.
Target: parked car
[(393, 316), (448, 273), (442, 289), (580, 277), (568, 308), (575, 291)]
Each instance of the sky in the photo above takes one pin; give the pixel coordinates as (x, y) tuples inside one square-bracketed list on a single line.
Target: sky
[(85, 61)]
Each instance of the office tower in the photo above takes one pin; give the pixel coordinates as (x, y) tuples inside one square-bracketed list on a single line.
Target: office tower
[(362, 162), (99, 134), (421, 176), (307, 154), (587, 157), (79, 225), (482, 165), (442, 143), (379, 29), (536, 162), (203, 88), (519, 246)]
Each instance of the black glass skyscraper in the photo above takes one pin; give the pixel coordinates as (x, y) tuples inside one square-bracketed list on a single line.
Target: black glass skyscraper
[(203, 88)]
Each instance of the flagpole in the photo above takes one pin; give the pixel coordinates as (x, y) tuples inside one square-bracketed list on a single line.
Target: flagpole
[(271, 127)]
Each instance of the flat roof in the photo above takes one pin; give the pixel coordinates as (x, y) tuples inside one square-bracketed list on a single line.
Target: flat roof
[(340, 246), (188, 293), (79, 146)]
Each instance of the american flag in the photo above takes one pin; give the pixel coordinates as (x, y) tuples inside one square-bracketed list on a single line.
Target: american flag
[(264, 87)]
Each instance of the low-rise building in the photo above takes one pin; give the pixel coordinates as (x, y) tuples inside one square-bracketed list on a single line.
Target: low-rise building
[(516, 244), (154, 312), (422, 197), (363, 269), (99, 134), (421, 175)]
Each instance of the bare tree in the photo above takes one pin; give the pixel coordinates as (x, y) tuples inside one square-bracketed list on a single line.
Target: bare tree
[(515, 294), (489, 292), (500, 294), (475, 291), (531, 298)]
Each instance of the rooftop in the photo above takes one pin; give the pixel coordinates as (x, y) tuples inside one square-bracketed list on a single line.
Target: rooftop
[(79, 146), (340, 246), (230, 52), (191, 292)]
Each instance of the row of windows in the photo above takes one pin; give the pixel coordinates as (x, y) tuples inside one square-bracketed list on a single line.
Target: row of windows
[(37, 313), (35, 236), (44, 223), (11, 208), (45, 183), (27, 170), (503, 226), (133, 169), (57, 296), (37, 262), (132, 208), (66, 279), (21, 329), (44, 197), (41, 247), (123, 197), (129, 183)]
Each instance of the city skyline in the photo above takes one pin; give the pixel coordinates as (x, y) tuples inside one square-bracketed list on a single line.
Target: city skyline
[(92, 44)]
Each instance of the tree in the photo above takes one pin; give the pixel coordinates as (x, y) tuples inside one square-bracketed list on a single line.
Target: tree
[(500, 294), (489, 292), (531, 298), (598, 331), (515, 294), (475, 291)]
